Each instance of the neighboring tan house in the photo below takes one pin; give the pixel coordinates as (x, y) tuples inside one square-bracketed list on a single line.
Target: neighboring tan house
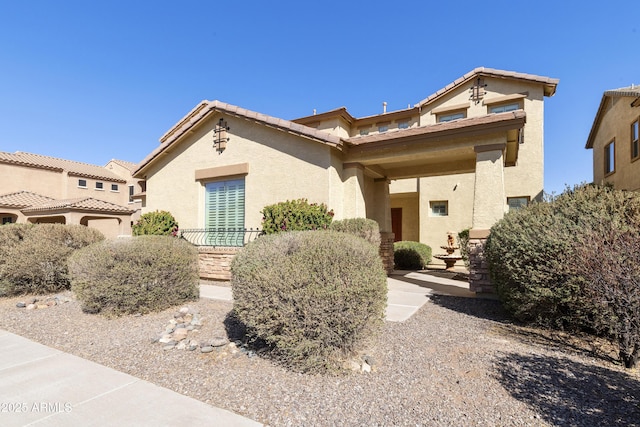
[(614, 138), (41, 189), (477, 142)]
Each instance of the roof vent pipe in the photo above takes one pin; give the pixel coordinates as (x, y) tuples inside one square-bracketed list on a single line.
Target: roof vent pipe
[(384, 108), (314, 111)]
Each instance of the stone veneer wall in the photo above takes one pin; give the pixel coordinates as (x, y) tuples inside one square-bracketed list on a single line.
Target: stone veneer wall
[(479, 280), (215, 263)]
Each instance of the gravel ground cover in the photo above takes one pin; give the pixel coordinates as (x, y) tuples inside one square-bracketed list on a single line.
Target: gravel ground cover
[(457, 362)]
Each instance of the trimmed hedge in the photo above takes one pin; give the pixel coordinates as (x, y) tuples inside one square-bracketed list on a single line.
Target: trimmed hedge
[(33, 258), (136, 275), (368, 229), (157, 223), (314, 297), (295, 215), (409, 255)]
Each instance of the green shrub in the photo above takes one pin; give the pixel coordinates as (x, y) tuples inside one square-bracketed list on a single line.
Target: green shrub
[(34, 257), (411, 255), (136, 275), (157, 223), (463, 243), (365, 228), (315, 297), (532, 254), (295, 215)]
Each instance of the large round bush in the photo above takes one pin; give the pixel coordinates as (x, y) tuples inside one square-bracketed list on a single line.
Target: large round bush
[(315, 297), (33, 258), (135, 275), (532, 254), (408, 255)]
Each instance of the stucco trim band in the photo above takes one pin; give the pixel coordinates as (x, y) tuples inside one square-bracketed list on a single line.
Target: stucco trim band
[(506, 98), (489, 147), (222, 171)]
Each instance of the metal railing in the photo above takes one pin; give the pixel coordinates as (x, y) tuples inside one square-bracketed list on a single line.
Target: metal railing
[(220, 237)]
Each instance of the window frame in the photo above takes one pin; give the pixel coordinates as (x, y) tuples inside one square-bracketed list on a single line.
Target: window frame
[(526, 198), (435, 203), (226, 191), (99, 185), (451, 116), (131, 193), (115, 188), (503, 106), (81, 185), (610, 158), (635, 139)]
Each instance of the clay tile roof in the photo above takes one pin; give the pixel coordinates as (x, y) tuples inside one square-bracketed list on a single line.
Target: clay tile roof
[(22, 199), (206, 108), (53, 163), (633, 91), (86, 203), (125, 164), (549, 83), (629, 91), (453, 126)]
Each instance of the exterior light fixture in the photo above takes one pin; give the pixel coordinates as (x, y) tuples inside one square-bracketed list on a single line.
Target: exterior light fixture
[(220, 137)]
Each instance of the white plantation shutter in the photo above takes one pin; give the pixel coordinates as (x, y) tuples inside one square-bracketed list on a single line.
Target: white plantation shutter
[(225, 204)]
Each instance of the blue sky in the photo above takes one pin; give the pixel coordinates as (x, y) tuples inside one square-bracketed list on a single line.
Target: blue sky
[(91, 81)]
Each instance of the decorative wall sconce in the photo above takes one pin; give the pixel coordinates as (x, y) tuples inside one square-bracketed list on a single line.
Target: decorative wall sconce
[(477, 90), (220, 137)]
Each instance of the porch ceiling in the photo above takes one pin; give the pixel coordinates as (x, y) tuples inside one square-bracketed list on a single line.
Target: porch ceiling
[(442, 149)]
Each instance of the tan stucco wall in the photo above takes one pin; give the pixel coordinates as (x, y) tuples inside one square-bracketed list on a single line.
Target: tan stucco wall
[(616, 124), (41, 181), (281, 167), (410, 205)]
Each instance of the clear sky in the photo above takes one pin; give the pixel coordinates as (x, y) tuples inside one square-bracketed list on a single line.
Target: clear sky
[(96, 80)]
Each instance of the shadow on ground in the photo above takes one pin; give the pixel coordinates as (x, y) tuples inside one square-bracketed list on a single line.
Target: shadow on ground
[(570, 393)]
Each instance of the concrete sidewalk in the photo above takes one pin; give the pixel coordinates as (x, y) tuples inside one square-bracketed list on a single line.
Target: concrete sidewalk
[(407, 291), (42, 386)]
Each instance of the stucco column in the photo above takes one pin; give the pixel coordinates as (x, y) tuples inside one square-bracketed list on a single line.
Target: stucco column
[(489, 199), (381, 209), (354, 202)]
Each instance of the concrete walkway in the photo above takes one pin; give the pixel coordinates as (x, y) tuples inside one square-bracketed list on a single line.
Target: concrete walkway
[(42, 386), (408, 291)]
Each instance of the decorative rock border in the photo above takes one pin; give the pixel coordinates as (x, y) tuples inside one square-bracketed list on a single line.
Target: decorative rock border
[(35, 303)]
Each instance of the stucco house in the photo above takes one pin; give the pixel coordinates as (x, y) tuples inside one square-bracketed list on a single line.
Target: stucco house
[(457, 159), (614, 139), (42, 189)]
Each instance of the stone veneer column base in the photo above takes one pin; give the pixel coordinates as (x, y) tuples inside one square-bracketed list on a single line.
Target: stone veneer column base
[(386, 250), (479, 280), (215, 263)]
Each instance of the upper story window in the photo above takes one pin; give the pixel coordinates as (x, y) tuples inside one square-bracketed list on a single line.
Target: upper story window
[(383, 128), (635, 148), (364, 132), (609, 158), (439, 208), (504, 108), (131, 190), (82, 183), (403, 125), (114, 187), (99, 185), (450, 116)]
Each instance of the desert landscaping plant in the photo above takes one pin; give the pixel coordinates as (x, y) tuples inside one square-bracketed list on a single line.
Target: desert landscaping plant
[(365, 228), (314, 297), (135, 275), (34, 257), (157, 223), (295, 215), (409, 255)]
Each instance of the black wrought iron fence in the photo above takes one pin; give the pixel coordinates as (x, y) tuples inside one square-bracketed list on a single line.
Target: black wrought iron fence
[(220, 236)]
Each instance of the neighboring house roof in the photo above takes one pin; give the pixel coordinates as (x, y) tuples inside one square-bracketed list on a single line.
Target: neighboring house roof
[(548, 83), (22, 199), (130, 166), (27, 202), (207, 108), (52, 163), (632, 91), (487, 123)]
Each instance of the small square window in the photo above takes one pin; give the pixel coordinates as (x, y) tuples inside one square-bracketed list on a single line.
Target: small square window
[(610, 158), (516, 203), (82, 183), (99, 185), (635, 148), (504, 108), (450, 117), (383, 128), (403, 125), (364, 132), (7, 220), (114, 187), (439, 208)]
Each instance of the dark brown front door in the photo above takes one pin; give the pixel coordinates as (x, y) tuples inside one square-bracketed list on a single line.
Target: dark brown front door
[(396, 223)]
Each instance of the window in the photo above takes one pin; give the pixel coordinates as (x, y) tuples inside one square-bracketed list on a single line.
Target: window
[(403, 125), (439, 208), (364, 132), (7, 220), (635, 149), (82, 183), (114, 187), (609, 158), (383, 128), (99, 185), (224, 213), (449, 117), (504, 108), (516, 203), (131, 189)]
